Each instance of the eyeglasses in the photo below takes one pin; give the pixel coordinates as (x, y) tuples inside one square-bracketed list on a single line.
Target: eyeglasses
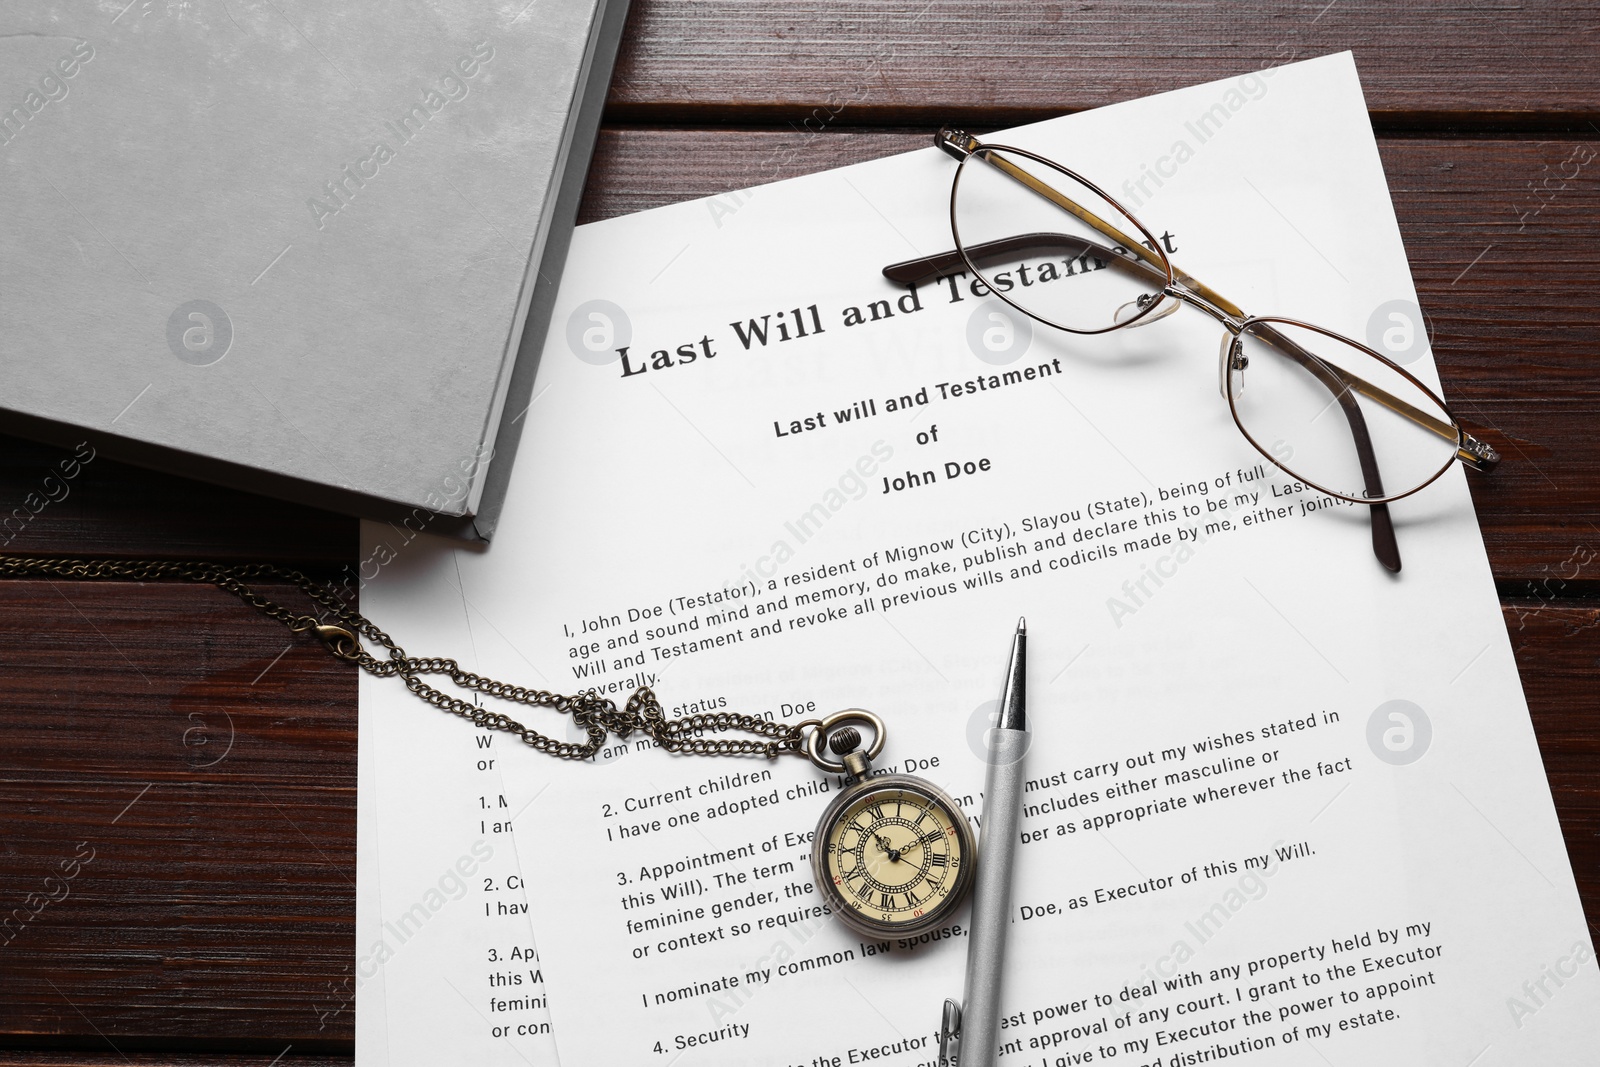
[(1331, 412)]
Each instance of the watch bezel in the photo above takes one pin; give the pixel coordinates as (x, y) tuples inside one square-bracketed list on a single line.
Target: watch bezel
[(933, 918)]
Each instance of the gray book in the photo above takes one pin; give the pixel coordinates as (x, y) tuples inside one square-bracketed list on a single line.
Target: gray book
[(301, 250)]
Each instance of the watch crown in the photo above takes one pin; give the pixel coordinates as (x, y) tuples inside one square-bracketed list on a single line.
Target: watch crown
[(846, 740)]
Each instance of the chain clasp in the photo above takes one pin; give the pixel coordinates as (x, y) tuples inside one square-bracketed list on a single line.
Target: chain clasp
[(340, 642)]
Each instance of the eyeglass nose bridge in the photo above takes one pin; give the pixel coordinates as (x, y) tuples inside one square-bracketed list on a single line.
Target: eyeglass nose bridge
[(1182, 292), (1230, 355)]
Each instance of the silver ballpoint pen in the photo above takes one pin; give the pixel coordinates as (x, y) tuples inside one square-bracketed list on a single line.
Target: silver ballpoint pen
[(969, 1033)]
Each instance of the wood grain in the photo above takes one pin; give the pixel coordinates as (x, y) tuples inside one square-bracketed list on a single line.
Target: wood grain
[(203, 761), (1007, 61), (1558, 651), (129, 1057)]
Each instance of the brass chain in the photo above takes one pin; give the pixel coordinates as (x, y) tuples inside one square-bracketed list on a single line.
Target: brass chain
[(597, 715)]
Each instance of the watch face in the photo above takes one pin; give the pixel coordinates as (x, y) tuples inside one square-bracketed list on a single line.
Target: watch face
[(894, 855)]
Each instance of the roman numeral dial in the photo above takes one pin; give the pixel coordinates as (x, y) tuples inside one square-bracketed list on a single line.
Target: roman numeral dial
[(894, 855)]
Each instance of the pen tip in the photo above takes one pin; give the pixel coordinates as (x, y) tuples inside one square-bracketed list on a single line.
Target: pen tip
[(1022, 626)]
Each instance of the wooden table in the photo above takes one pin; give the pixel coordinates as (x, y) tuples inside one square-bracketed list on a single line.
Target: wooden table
[(209, 762)]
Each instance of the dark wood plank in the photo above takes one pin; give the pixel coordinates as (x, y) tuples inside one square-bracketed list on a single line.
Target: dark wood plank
[(134, 1058), (1505, 278), (191, 766), (636, 169), (1558, 650), (1005, 61), (74, 501), (218, 907), (1502, 262)]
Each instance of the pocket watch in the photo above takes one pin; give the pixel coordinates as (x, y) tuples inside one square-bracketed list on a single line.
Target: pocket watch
[(893, 854)]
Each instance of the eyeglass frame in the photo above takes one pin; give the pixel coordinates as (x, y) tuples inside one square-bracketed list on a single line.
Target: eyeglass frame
[(1182, 288)]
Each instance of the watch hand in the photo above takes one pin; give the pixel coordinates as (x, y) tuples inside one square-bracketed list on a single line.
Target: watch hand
[(884, 846)]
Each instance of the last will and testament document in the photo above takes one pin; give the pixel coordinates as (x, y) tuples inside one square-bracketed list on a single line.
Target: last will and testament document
[(1283, 807)]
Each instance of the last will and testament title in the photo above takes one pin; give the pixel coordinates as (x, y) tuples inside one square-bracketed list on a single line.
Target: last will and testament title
[(800, 323)]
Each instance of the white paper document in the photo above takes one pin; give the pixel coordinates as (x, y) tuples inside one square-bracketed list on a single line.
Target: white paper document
[(1283, 807)]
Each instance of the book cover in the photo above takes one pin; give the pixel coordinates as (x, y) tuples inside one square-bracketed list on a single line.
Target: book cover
[(291, 248)]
